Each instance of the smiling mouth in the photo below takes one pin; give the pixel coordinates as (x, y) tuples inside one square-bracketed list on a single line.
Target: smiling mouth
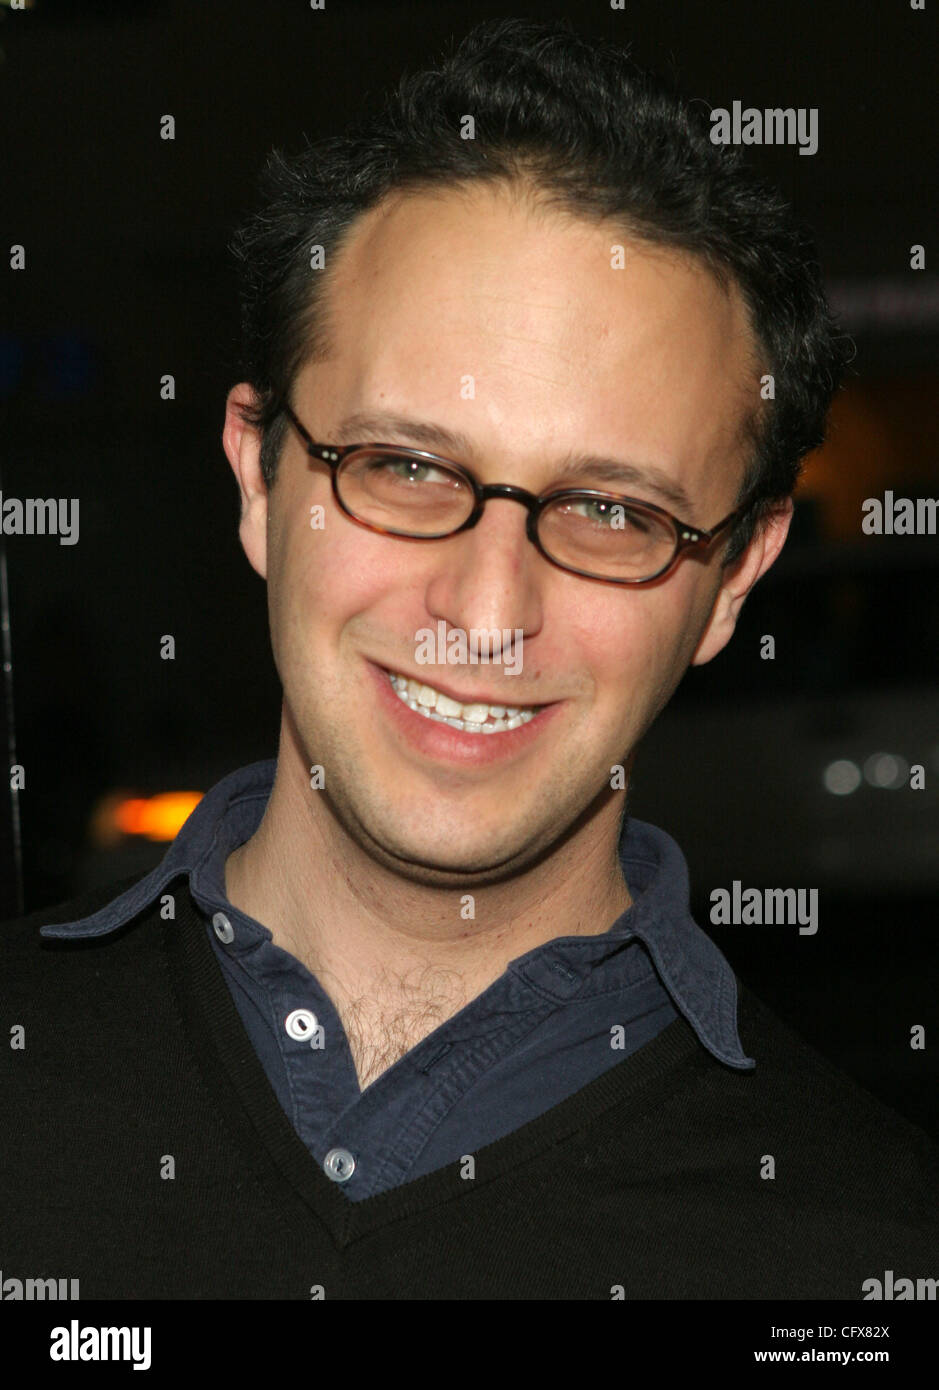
[(468, 718)]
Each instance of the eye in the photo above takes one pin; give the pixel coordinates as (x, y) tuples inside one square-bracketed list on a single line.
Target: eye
[(409, 470), (610, 516)]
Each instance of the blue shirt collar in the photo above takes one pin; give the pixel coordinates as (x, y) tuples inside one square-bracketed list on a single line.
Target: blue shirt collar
[(693, 970)]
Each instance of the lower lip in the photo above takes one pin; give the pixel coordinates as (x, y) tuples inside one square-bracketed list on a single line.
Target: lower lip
[(442, 741)]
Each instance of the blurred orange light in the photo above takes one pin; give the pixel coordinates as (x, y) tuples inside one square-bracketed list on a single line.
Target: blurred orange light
[(158, 817)]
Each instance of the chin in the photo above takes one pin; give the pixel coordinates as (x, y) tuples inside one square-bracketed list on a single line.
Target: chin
[(434, 854)]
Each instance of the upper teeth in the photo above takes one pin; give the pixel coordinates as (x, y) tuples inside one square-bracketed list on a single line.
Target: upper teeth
[(475, 718)]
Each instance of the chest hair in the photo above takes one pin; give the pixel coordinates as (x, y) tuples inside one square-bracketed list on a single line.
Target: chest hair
[(397, 1014)]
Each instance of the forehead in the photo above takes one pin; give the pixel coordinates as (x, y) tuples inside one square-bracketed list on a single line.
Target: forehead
[(474, 307)]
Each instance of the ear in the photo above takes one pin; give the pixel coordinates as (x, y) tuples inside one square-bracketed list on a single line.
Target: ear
[(242, 445), (739, 578)]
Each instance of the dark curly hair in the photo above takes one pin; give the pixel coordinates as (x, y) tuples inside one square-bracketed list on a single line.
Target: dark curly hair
[(591, 133)]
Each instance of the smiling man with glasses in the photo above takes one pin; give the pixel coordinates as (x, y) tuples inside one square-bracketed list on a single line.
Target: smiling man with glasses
[(429, 1015)]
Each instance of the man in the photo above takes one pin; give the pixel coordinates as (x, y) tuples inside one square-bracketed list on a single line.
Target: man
[(419, 1011)]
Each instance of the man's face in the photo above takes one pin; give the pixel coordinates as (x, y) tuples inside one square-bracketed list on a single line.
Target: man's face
[(510, 327)]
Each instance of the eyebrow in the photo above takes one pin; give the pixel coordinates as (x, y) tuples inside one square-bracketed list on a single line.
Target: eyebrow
[(385, 427)]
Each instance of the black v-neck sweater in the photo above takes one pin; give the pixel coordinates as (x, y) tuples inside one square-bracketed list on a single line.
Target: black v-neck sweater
[(145, 1154)]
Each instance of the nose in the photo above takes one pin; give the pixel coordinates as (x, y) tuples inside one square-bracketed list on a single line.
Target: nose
[(486, 578)]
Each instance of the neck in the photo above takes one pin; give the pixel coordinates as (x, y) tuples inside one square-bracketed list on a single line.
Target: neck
[(398, 956)]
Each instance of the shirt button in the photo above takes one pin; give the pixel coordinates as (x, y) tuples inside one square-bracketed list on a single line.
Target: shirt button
[(300, 1024), (223, 928), (339, 1165)]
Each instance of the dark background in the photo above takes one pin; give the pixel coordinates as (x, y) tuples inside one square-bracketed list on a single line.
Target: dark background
[(128, 278)]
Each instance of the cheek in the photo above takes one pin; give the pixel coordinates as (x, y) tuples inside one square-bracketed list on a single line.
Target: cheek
[(322, 579), (300, 562), (638, 649), (620, 640)]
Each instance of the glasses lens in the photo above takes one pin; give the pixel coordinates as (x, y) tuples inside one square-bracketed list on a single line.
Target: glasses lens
[(404, 492), (606, 538)]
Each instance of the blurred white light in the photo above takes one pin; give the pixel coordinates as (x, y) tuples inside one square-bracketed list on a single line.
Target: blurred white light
[(885, 770), (841, 778)]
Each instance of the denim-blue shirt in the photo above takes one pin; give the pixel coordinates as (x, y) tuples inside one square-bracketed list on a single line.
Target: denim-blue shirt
[(557, 1018)]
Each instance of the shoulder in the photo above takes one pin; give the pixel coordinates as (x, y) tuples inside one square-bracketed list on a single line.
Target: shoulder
[(29, 958), (817, 1119)]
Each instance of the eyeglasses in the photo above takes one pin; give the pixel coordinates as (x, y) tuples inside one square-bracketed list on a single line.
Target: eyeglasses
[(419, 496)]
